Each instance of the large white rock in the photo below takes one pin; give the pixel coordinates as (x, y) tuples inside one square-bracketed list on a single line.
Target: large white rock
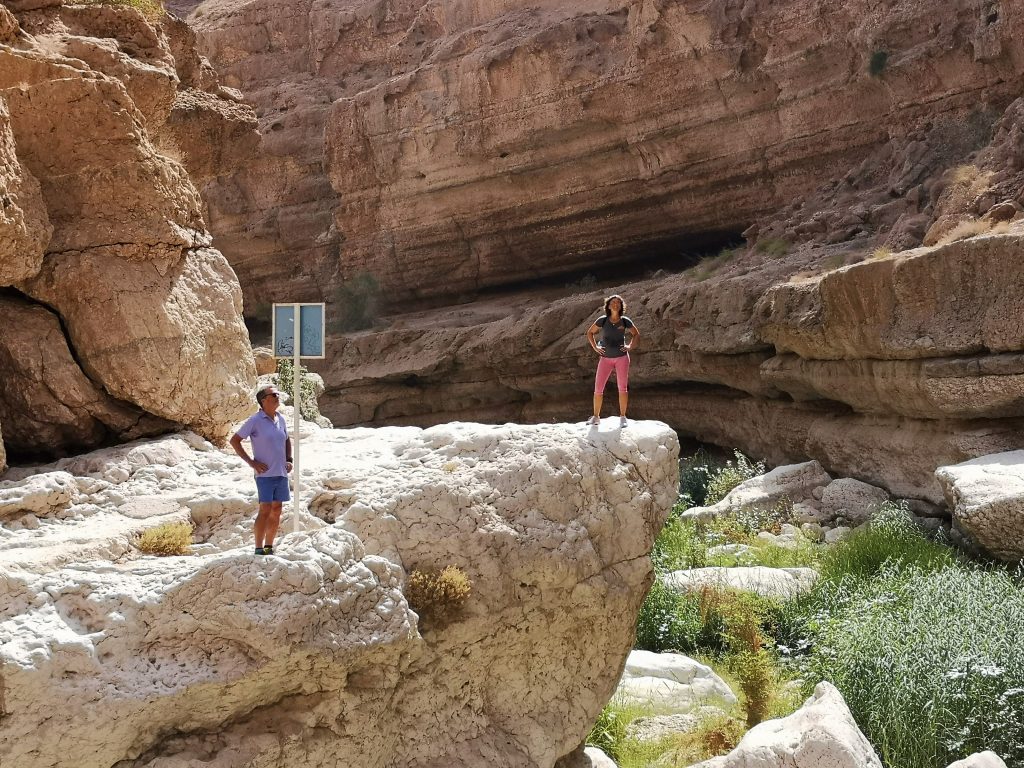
[(986, 496), (313, 657), (795, 482), (986, 759), (673, 683), (821, 734), (852, 499), (42, 495), (782, 583)]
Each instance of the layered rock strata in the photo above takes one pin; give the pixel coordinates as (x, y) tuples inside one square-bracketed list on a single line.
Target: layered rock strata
[(103, 247), (882, 370), (447, 148), (314, 656)]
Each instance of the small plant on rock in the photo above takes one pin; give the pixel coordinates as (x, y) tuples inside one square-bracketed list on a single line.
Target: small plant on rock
[(166, 539), (438, 596), (730, 475)]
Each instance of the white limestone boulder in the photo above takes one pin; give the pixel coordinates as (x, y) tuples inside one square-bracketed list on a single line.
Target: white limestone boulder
[(851, 499), (820, 734), (586, 757), (673, 683), (42, 495), (795, 482), (313, 656), (780, 583), (986, 759), (986, 496)]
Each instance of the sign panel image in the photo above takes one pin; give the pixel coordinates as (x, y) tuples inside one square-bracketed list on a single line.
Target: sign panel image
[(311, 330)]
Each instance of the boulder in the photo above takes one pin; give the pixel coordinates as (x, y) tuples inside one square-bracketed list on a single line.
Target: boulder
[(781, 583), (673, 682), (314, 656), (101, 224), (795, 482), (42, 495), (657, 727), (586, 757), (851, 499), (986, 496), (986, 759), (24, 227), (820, 733), (50, 407)]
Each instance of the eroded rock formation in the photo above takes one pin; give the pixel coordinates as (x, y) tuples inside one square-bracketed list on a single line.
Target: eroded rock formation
[(120, 318), (314, 656), (450, 147)]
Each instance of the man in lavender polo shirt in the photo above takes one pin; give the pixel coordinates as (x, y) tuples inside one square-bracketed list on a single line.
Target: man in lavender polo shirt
[(271, 461)]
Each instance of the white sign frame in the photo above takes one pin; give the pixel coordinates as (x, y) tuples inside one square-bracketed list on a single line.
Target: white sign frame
[(296, 358)]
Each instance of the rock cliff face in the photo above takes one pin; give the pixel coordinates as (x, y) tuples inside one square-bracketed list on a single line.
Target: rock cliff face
[(314, 656), (119, 318), (872, 157), (447, 147)]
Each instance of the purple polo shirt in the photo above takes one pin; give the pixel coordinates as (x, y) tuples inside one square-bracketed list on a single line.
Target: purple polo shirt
[(268, 438)]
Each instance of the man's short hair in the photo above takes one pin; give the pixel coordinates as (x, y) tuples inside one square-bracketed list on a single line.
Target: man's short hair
[(263, 393)]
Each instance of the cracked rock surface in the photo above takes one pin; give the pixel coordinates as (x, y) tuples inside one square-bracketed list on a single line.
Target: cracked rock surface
[(313, 656)]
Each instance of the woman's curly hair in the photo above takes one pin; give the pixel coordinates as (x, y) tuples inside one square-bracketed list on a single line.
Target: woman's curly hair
[(608, 302)]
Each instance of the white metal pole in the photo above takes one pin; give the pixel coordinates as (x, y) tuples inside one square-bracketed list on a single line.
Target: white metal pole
[(297, 483)]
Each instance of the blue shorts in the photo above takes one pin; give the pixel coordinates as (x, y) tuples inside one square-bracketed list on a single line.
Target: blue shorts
[(272, 489)]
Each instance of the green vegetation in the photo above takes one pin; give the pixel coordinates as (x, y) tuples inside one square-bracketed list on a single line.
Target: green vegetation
[(166, 539), (309, 409), (924, 645), (356, 304), (729, 476), (708, 266), (585, 284), (438, 596), (877, 62), (773, 247)]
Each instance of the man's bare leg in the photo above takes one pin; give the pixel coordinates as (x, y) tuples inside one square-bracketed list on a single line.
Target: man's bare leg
[(273, 523), (262, 520)]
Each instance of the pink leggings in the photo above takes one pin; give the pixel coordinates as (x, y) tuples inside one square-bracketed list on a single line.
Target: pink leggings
[(605, 366)]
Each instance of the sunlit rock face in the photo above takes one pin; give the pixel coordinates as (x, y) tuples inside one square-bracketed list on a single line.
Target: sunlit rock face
[(314, 656), (447, 147), (132, 320)]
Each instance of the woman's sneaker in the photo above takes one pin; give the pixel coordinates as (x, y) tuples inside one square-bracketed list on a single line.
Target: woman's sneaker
[(268, 550), (593, 421), (260, 551), (623, 421)]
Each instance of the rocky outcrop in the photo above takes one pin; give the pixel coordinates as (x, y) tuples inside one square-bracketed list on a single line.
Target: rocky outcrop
[(986, 497), (822, 732), (791, 483), (314, 655), (448, 150), (103, 247), (672, 682), (777, 583)]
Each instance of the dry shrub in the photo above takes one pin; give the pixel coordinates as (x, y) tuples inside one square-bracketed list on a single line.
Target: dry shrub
[(881, 253), (167, 539), (438, 596), (964, 230), (151, 9)]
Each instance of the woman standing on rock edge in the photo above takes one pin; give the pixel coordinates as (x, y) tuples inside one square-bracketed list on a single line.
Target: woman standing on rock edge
[(614, 352)]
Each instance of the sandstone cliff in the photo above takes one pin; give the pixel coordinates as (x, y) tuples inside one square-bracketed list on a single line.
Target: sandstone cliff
[(448, 147), (872, 158), (120, 319), (313, 656)]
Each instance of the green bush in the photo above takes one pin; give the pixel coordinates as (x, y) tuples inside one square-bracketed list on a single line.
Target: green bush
[(356, 304), (891, 538), (728, 476), (694, 476), (672, 621), (679, 545), (877, 62), (309, 409)]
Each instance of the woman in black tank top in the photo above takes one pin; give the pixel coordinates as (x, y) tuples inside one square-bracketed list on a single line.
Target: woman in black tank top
[(613, 349)]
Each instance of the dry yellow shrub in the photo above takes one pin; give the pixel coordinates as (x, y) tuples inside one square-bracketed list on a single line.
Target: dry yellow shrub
[(438, 596), (167, 539)]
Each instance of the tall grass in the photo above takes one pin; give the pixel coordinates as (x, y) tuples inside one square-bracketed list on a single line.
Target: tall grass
[(930, 663), (925, 647)]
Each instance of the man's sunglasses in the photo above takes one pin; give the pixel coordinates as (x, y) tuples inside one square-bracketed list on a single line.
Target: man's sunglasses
[(271, 394)]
